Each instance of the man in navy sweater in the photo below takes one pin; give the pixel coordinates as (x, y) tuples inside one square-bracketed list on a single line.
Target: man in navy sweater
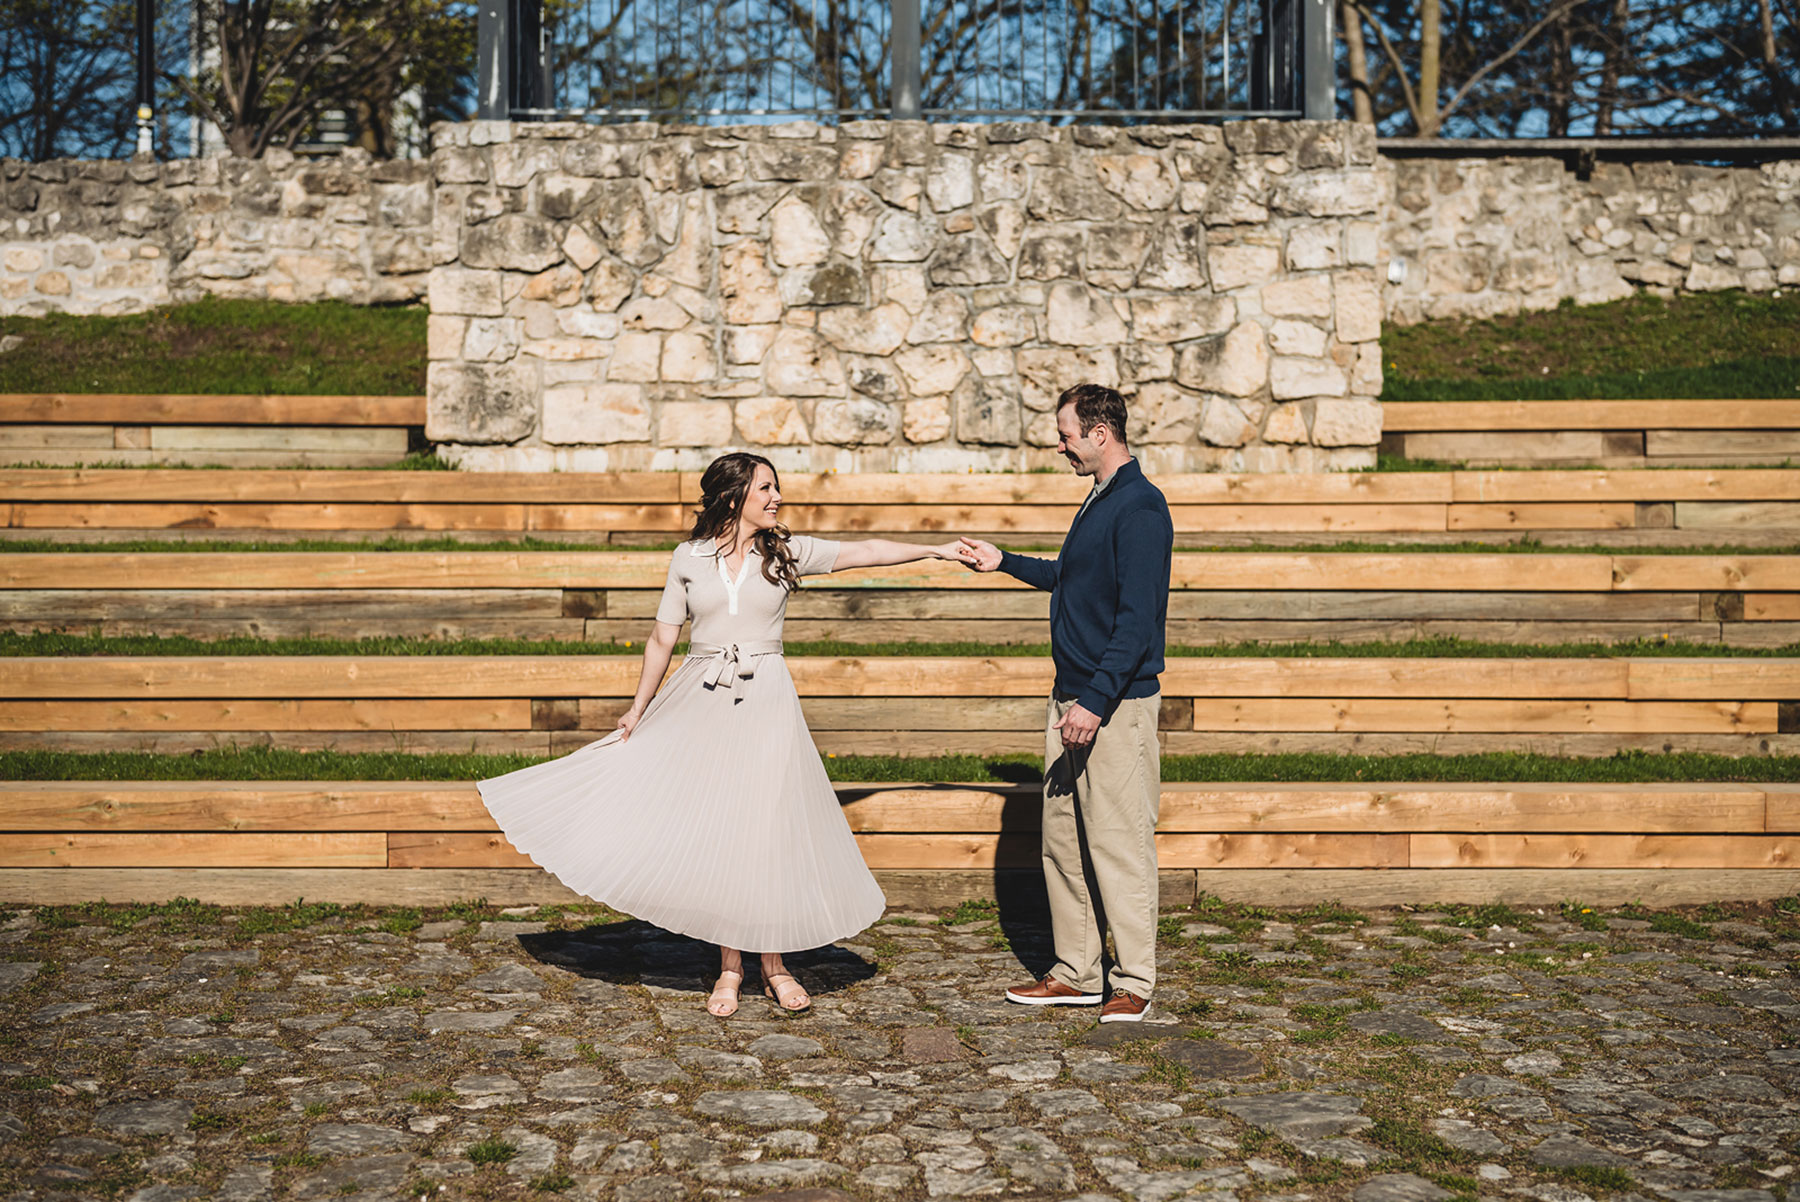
[(1109, 600)]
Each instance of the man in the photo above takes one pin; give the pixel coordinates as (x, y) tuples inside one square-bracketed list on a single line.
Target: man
[(1109, 599)]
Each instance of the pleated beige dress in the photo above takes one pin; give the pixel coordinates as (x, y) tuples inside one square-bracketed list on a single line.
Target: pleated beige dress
[(715, 819)]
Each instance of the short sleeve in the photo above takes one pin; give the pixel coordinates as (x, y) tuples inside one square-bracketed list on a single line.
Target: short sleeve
[(814, 556), (673, 608)]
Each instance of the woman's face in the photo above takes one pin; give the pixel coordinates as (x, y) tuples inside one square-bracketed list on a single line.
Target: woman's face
[(762, 503)]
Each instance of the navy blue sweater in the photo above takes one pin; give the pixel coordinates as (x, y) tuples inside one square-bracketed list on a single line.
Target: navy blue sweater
[(1109, 593)]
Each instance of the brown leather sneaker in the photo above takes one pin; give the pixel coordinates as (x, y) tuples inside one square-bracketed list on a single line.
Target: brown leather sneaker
[(1050, 992), (1124, 1007)]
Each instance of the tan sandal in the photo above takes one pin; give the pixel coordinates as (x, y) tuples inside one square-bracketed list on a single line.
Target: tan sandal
[(795, 1000), (722, 1002)]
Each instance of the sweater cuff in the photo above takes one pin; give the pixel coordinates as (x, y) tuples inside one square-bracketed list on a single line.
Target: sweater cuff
[(1093, 702)]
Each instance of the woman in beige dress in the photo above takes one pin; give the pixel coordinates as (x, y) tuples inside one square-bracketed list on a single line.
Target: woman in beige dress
[(708, 812)]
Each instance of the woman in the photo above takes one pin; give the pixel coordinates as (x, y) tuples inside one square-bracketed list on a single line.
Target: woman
[(707, 811)]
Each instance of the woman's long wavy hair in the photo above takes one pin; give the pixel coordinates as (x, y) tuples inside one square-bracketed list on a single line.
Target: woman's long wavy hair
[(723, 487)]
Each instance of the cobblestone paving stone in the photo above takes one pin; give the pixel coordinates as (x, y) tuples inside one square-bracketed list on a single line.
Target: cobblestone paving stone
[(169, 1053)]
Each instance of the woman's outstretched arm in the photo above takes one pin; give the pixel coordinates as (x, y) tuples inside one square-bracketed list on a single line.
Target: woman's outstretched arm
[(883, 552), (659, 648)]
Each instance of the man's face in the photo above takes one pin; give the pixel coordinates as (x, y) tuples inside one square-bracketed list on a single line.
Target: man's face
[(1082, 454)]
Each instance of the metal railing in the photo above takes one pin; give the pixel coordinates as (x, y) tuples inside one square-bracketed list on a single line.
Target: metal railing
[(738, 60)]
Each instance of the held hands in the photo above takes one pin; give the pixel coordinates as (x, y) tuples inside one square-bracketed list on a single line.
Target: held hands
[(977, 555), (628, 722), (1078, 727)]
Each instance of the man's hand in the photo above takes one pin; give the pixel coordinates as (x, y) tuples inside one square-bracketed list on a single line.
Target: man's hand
[(982, 557), (1078, 727)]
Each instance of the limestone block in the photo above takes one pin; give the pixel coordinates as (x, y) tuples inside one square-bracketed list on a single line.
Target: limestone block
[(1300, 338), (718, 167), (1599, 282), (1703, 277), (968, 261), (1142, 361), (945, 318), (609, 284), (856, 421), (693, 423), (444, 336), (1358, 307), (1457, 270), (875, 377), (516, 164), (858, 160), (772, 421), (1065, 194), (931, 370), (993, 361), (905, 286), (747, 286), (1305, 296), (800, 363), (1003, 176), (687, 357), (1046, 372), (1291, 378), (1238, 196), (457, 290), (748, 344), (877, 331), (1040, 430), (599, 160), (1162, 412), (792, 161), (1366, 374), (950, 184), (796, 238), (1362, 243), (24, 258), (1349, 422), (393, 253), (1236, 365), (1050, 256), (1286, 424), (474, 402), (927, 419), (1143, 181), (987, 412), (1077, 316), (1226, 422), (561, 286), (898, 188), (455, 166), (636, 358), (567, 350), (1004, 223), (513, 241), (669, 166), (900, 238), (653, 313), (595, 413), (1329, 193), (490, 340), (1177, 258), (1179, 318), (1004, 325), (837, 283), (741, 210), (1238, 266), (850, 216), (690, 262), (1314, 246)]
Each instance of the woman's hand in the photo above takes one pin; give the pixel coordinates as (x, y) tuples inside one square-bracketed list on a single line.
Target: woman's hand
[(628, 722), (954, 551)]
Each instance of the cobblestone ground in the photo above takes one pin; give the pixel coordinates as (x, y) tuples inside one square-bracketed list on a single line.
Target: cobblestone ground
[(176, 1052)]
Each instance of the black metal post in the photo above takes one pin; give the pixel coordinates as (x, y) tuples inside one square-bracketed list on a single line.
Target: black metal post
[(907, 87), (531, 55), (493, 61), (1318, 63), (146, 75)]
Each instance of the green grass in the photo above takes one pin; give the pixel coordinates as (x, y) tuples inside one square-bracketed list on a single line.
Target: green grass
[(1727, 344), (267, 763), (53, 643), (223, 346)]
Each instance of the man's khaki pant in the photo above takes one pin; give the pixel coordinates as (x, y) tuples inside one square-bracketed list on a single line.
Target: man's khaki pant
[(1102, 801)]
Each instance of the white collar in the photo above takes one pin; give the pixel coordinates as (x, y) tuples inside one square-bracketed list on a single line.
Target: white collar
[(710, 547)]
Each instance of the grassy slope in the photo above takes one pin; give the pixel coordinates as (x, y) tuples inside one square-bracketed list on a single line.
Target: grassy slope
[(1728, 344)]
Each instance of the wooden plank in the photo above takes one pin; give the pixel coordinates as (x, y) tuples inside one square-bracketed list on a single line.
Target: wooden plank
[(1737, 515), (272, 485), (1574, 515), (1393, 678), (1772, 607), (274, 605), (243, 806), (1508, 716), (1781, 807), (135, 458), (1425, 571), (563, 630), (1333, 518), (1603, 851), (1667, 484), (328, 516), (1408, 416), (1176, 742), (262, 886), (1761, 634), (1488, 446), (1480, 886), (1717, 444), (956, 851), (194, 850), (1725, 679), (1726, 573), (119, 408), (913, 714), (452, 849), (259, 715), (338, 569), (1066, 489), (164, 742), (1315, 605), (672, 520), (87, 438), (386, 440)]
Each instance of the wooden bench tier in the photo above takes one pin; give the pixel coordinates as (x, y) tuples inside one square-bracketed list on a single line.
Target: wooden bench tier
[(255, 431), (1608, 433), (413, 842), (632, 508), (610, 596), (906, 705)]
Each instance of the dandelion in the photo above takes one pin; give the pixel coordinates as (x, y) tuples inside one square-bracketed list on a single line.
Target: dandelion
[(831, 755), (628, 642)]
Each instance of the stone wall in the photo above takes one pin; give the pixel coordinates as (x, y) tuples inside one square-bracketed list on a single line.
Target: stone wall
[(902, 296), (1484, 237), (118, 237)]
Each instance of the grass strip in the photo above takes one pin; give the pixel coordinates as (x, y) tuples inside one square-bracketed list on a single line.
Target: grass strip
[(1725, 344), (254, 763), (214, 346), (56, 643), (1525, 546)]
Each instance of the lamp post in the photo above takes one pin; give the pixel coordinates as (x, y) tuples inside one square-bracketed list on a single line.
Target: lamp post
[(146, 75)]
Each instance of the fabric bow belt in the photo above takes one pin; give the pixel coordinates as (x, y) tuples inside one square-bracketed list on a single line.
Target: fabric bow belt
[(735, 663)]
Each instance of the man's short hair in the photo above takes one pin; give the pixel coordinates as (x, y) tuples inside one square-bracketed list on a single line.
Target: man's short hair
[(1096, 405)]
